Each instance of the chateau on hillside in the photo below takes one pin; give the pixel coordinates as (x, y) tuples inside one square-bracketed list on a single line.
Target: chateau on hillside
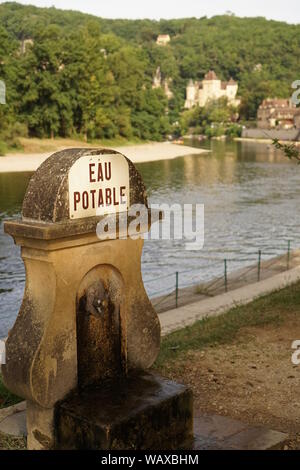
[(211, 88), (274, 113)]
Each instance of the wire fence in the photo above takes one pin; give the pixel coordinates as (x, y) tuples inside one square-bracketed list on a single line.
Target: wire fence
[(183, 289)]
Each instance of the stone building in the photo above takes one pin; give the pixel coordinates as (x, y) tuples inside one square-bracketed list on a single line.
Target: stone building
[(157, 79), (297, 119), (2, 92), (163, 39), (209, 89), (276, 114), (164, 83), (25, 44)]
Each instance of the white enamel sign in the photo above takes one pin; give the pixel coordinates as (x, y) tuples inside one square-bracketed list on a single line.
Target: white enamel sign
[(98, 185)]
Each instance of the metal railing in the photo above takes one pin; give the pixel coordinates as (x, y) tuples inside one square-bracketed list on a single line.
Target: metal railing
[(221, 282)]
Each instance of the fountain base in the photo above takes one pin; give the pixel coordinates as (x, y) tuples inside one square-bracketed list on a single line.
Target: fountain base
[(141, 411)]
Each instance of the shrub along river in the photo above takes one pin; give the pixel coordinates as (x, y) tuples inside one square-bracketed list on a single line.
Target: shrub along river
[(250, 194)]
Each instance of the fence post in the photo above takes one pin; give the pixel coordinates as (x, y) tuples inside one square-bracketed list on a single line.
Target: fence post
[(258, 265), (176, 289), (225, 275), (288, 255)]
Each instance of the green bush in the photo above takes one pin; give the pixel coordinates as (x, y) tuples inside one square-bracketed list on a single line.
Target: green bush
[(216, 131), (234, 131), (3, 148), (6, 397)]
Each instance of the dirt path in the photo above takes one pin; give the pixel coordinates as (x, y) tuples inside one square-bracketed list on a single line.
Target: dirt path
[(252, 379)]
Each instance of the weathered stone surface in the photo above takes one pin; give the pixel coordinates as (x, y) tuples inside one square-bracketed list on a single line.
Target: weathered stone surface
[(79, 227), (10, 410), (85, 315), (13, 419), (41, 349), (257, 438), (218, 427), (40, 427), (213, 432), (14, 424), (99, 343), (47, 195), (142, 412)]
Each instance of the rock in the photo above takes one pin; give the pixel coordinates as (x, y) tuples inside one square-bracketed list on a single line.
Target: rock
[(10, 410), (13, 420), (15, 424)]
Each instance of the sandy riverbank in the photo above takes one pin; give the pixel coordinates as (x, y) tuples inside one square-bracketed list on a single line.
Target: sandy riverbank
[(136, 153)]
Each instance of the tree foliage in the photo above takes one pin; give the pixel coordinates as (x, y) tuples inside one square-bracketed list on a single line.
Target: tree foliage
[(215, 119), (289, 150), (93, 77)]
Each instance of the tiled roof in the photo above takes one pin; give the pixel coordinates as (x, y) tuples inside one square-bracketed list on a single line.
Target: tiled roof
[(275, 102), (231, 81), (211, 75)]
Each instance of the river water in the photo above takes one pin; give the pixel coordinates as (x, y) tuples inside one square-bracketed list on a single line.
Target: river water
[(250, 193)]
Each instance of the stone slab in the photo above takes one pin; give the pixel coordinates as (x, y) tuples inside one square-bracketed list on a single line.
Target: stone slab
[(10, 410), (13, 419), (217, 427), (14, 425), (213, 432), (144, 412)]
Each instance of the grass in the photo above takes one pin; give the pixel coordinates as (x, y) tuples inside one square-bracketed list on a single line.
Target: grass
[(35, 145), (9, 442), (273, 308), (6, 397), (12, 442)]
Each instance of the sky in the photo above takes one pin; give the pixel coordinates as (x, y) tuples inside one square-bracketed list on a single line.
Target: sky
[(282, 10)]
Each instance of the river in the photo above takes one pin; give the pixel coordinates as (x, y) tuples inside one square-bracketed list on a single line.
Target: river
[(250, 193)]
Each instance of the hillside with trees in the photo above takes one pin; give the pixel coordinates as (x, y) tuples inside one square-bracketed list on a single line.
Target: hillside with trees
[(69, 73)]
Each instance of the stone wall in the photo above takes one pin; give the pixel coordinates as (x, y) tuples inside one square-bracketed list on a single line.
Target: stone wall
[(291, 134)]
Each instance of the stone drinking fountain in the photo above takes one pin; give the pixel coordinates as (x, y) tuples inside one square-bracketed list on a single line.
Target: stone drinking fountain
[(86, 333)]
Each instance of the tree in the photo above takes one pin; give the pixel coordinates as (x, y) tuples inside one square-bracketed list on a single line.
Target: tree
[(92, 76)]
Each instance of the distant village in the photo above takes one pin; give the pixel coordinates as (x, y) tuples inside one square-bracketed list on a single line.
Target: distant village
[(273, 113)]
